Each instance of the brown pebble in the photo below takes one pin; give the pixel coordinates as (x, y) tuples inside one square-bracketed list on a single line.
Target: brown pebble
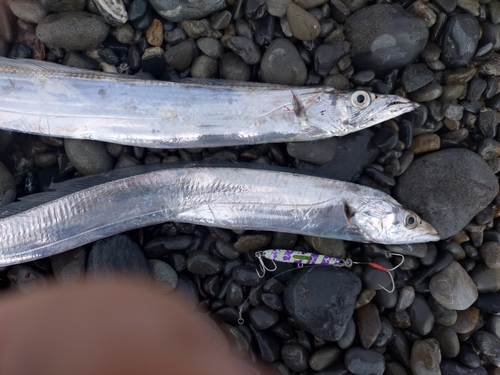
[(457, 135), (400, 319), (229, 32), (154, 34), (466, 320), (249, 242), (303, 25), (391, 124), (368, 324), (460, 238), (45, 160), (459, 75), (425, 143), (451, 124), (364, 298)]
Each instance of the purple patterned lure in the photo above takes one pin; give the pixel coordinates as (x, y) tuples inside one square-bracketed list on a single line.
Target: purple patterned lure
[(303, 258)]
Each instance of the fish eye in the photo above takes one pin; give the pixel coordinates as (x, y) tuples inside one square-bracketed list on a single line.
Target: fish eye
[(411, 221), (361, 99)]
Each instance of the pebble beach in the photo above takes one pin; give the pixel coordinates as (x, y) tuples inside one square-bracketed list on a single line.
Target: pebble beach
[(442, 161)]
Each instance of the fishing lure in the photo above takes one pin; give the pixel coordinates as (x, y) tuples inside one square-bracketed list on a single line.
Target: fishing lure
[(49, 99)]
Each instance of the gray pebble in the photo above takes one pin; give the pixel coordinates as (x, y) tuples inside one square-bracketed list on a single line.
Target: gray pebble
[(202, 263), (72, 30), (490, 252), (421, 316), (488, 149), (425, 357), (406, 298), (179, 10), (28, 10), (442, 315), (227, 250), (204, 67), (231, 66), (26, 279), (486, 343), (163, 274), (69, 267), (486, 279), (246, 49), (243, 28), (488, 120), (324, 357), (346, 340), (360, 361), (337, 81), (295, 357), (453, 287), (181, 55), (7, 186), (416, 76), (210, 47), (448, 341), (60, 6), (221, 20), (453, 111), (282, 64), (427, 93), (88, 157), (303, 25), (125, 34)]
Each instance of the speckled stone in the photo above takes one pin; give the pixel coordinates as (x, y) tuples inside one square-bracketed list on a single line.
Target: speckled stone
[(303, 25), (459, 40), (282, 64), (425, 357), (88, 157), (453, 288), (163, 274)]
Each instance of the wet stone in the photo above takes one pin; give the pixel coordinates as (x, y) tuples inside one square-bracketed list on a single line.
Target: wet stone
[(486, 279), (272, 301), (295, 357), (326, 57), (163, 275), (381, 38), (325, 288), (368, 324), (476, 88), (449, 177), (303, 25), (249, 242), (486, 343), (469, 6), (462, 75), (488, 149), (427, 93), (416, 76), (488, 121), (453, 287), (451, 92), (282, 64), (490, 252), (116, 254), (406, 298), (425, 143), (386, 333), (246, 276), (69, 267), (361, 361), (246, 49), (363, 78), (88, 157), (72, 30), (202, 263), (431, 52), (422, 320), (469, 357), (227, 250), (425, 357), (262, 317), (385, 138), (317, 152), (137, 9), (324, 357), (460, 39), (180, 56), (449, 367), (231, 66), (466, 320)]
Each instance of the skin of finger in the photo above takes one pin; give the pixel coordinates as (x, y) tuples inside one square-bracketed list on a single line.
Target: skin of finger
[(114, 327)]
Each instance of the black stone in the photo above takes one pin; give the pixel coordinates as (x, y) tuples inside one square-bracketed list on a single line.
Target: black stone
[(384, 37), (283, 330), (137, 9), (264, 30), (77, 60), (491, 88), (268, 348), (489, 302), (116, 254), (405, 132), (476, 88), (262, 317), (145, 21), (272, 301), (20, 51), (255, 9), (326, 57), (363, 78), (442, 260), (380, 177), (447, 6), (117, 47), (494, 102), (449, 367), (155, 65), (416, 76), (385, 138), (460, 39), (364, 361), (202, 263), (468, 357), (227, 315), (295, 357), (246, 276), (161, 246), (321, 300)]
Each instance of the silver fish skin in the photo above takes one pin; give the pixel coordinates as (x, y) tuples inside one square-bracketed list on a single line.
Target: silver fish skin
[(90, 208), (54, 100)]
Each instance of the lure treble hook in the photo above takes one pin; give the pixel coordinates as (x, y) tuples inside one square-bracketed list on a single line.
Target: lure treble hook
[(263, 266)]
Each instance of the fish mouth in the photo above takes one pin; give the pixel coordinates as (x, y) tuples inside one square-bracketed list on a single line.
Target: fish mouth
[(399, 106), (426, 233)]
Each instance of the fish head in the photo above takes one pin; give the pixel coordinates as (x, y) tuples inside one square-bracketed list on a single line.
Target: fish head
[(386, 222), (341, 112)]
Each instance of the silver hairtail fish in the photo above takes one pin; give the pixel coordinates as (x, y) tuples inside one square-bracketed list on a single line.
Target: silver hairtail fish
[(87, 209), (54, 100)]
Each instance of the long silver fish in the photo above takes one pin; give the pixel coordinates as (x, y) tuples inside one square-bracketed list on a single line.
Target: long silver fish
[(87, 209), (54, 100)]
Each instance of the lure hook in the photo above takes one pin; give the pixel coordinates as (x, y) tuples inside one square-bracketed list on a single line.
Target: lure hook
[(262, 265), (389, 270)]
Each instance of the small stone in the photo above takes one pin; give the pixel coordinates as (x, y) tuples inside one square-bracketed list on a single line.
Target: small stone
[(231, 66), (72, 30), (422, 320), (326, 57), (262, 317), (202, 263), (423, 11), (137, 9), (453, 287), (406, 298), (303, 25), (416, 76), (163, 274), (486, 344), (186, 10), (457, 76), (26, 279), (448, 341), (490, 251), (113, 11), (460, 39), (88, 157), (180, 56), (28, 10), (476, 88), (125, 34), (69, 267), (488, 120), (116, 254), (154, 33), (210, 47), (425, 357), (442, 315), (246, 49), (427, 93), (425, 143), (361, 361), (324, 357), (431, 52), (295, 357), (368, 324), (324, 289), (488, 149), (466, 320), (250, 242), (486, 279), (453, 111), (204, 67), (317, 152)]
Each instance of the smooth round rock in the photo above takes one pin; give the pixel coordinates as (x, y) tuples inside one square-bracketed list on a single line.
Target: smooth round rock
[(246, 49), (303, 25), (163, 274), (427, 93), (321, 300), (210, 47), (486, 279), (202, 263), (7, 186), (178, 10), (28, 10), (116, 254), (425, 357), (490, 251), (453, 287), (69, 267), (368, 324), (295, 357), (181, 55), (72, 30), (262, 317), (231, 66), (360, 361), (447, 188), (88, 157), (282, 64), (448, 341), (385, 37), (324, 357), (459, 40), (416, 76), (421, 316), (317, 152), (467, 320)]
